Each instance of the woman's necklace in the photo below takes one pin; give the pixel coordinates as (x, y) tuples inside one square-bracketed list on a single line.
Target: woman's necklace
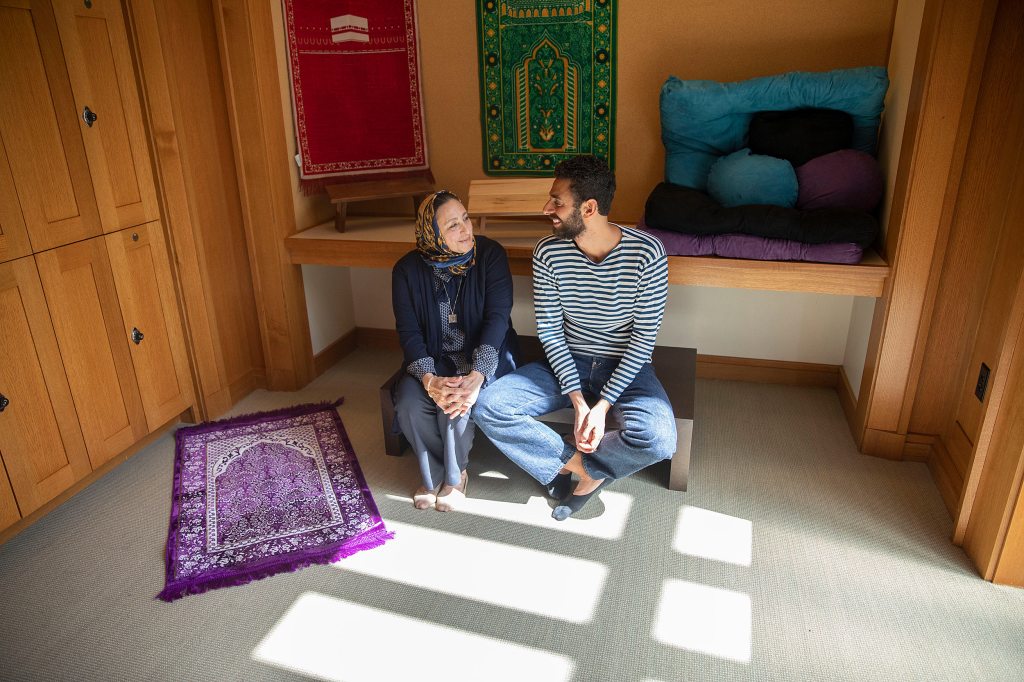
[(452, 317)]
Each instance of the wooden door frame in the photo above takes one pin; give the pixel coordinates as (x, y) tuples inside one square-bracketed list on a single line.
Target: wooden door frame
[(950, 59), (245, 31)]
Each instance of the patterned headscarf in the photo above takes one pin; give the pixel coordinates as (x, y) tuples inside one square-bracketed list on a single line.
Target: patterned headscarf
[(430, 243)]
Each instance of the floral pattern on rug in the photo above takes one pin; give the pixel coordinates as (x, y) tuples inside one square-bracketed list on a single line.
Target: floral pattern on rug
[(262, 494)]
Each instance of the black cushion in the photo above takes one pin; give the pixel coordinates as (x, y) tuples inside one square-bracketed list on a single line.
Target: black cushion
[(691, 211), (799, 135)]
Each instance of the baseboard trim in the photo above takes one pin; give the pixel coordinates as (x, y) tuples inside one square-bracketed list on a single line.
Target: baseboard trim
[(105, 468), (708, 366), (246, 384), (918, 447), (847, 400), (372, 337), (334, 352), (767, 371), (945, 475)]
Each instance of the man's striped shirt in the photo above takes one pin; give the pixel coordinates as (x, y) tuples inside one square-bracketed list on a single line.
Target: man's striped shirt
[(610, 309)]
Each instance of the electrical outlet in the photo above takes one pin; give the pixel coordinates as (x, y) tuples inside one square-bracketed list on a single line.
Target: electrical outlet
[(979, 389)]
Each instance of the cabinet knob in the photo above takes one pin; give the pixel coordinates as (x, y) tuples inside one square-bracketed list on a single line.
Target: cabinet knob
[(89, 116), (4, 402), (137, 336), (135, 236)]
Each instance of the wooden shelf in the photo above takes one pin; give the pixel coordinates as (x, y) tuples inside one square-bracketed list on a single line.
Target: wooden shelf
[(378, 242)]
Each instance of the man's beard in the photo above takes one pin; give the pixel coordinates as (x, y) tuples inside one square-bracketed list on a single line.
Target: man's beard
[(572, 226)]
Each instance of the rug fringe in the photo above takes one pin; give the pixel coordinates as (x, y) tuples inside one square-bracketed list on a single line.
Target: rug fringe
[(293, 410), (374, 539)]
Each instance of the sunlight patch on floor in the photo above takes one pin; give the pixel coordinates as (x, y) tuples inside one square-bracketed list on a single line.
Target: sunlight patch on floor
[(610, 525), (493, 474), (711, 535), (706, 619), (333, 639), (491, 572)]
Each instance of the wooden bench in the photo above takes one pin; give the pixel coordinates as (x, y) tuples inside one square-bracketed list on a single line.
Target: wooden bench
[(676, 368)]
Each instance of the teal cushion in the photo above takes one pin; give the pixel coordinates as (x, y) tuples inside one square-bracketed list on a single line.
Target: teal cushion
[(742, 178), (703, 120)]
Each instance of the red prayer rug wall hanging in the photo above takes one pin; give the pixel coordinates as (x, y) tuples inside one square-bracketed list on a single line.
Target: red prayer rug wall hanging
[(265, 493), (547, 78), (356, 90)]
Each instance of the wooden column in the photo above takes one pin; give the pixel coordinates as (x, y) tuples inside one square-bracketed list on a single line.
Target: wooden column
[(951, 56), (249, 62)]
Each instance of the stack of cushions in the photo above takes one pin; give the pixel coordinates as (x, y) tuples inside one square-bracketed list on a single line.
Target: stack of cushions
[(776, 168)]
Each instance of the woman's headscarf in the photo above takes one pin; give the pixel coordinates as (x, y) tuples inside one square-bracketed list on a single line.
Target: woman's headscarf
[(430, 243)]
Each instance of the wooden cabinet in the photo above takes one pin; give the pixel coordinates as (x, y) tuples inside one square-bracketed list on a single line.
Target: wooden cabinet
[(150, 321), (116, 320), (13, 233), (87, 321), (40, 439), (102, 79), (39, 127), (8, 507)]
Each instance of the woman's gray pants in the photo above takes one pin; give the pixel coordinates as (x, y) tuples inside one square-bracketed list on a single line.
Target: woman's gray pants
[(441, 445)]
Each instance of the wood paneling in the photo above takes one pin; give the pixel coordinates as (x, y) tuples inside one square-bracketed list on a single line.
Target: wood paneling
[(39, 128), (949, 369), (89, 479), (947, 479), (8, 506), (950, 59), (249, 61), (989, 506), (187, 113), (766, 371), (86, 318), (13, 233), (1010, 569), (102, 77), (40, 440), (145, 293)]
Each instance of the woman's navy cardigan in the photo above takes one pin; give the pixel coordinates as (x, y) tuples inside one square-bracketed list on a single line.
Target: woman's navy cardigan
[(484, 308)]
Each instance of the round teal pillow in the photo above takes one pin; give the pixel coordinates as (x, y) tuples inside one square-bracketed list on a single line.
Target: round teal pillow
[(742, 178)]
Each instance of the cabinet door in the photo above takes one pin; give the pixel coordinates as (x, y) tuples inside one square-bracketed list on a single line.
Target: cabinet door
[(87, 321), (103, 79), (40, 440), (8, 507), (152, 328), (39, 129), (13, 234)]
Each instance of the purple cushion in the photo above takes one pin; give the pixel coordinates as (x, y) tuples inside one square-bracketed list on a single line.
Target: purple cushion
[(847, 179), (753, 248)]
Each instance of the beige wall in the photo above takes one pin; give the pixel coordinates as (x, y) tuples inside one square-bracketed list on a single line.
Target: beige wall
[(723, 40), (719, 40)]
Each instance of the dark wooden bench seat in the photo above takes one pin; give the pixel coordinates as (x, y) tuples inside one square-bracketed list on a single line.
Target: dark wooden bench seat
[(676, 368)]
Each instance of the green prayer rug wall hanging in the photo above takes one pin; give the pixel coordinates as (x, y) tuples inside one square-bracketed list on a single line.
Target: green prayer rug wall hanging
[(547, 77)]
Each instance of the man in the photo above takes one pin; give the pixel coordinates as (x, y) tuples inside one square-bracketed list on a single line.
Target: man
[(599, 293)]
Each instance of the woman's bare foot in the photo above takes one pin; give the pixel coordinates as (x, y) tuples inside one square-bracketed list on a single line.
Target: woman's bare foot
[(450, 496), (424, 498)]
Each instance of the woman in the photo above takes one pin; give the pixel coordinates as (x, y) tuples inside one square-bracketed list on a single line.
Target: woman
[(452, 298)]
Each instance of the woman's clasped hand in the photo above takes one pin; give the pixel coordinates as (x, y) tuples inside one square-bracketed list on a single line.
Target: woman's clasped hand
[(454, 395)]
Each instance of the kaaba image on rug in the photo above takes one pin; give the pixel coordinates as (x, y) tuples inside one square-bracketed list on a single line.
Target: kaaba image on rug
[(262, 494), (547, 78)]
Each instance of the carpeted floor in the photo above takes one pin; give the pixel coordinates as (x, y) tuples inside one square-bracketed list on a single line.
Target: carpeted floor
[(792, 557)]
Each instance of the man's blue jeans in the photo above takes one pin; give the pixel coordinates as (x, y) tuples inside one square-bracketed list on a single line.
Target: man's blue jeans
[(506, 412)]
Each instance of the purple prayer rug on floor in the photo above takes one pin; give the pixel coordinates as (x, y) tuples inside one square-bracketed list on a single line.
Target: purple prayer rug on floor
[(263, 494)]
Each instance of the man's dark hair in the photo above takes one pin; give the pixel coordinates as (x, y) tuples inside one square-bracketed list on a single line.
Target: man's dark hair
[(589, 178)]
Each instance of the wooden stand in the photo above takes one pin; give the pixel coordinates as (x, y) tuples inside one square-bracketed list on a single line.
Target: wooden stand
[(511, 198), (340, 195)]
